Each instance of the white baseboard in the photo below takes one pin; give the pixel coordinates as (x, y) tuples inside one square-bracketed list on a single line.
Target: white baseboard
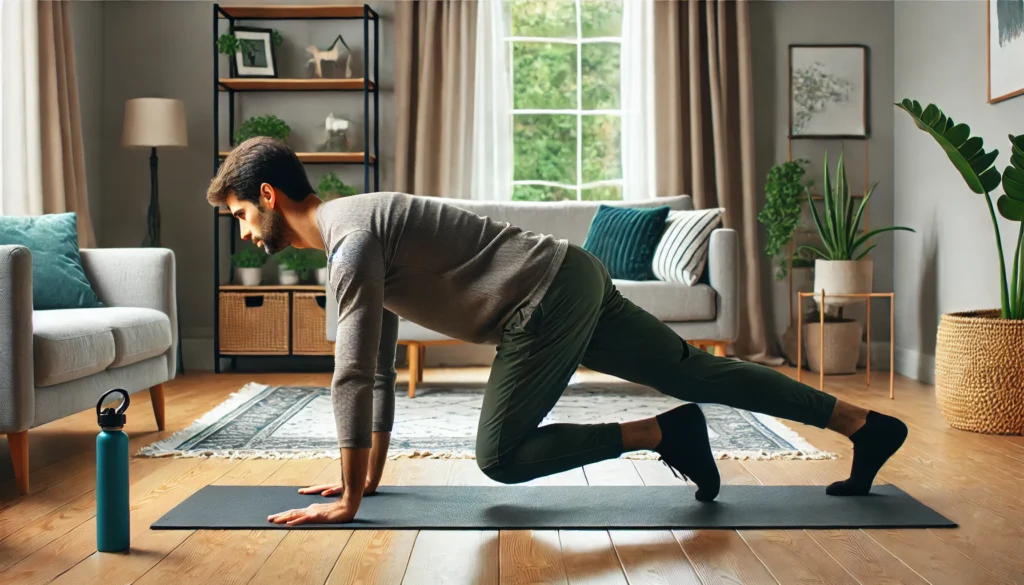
[(915, 365)]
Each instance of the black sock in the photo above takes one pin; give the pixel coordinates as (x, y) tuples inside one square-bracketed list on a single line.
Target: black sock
[(685, 447), (873, 444)]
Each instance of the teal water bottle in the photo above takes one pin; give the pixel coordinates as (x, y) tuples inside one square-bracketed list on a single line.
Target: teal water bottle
[(112, 515)]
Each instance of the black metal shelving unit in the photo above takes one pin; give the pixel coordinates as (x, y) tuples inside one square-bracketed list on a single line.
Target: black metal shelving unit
[(231, 86)]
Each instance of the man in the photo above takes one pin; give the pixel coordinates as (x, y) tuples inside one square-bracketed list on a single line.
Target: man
[(547, 305)]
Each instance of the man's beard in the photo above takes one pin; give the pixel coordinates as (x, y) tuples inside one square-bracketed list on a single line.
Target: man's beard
[(273, 231)]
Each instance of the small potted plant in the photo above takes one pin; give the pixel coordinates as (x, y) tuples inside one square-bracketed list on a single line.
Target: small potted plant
[(290, 266), (268, 125), (249, 266), (784, 198), (318, 261), (331, 187)]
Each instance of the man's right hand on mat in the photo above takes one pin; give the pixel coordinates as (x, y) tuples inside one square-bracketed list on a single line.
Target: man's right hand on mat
[(333, 513)]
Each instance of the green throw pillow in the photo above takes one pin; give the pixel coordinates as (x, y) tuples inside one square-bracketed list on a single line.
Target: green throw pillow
[(625, 238), (58, 279)]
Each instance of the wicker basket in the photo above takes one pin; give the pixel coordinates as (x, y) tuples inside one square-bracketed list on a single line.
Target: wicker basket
[(309, 333), (254, 323), (979, 372)]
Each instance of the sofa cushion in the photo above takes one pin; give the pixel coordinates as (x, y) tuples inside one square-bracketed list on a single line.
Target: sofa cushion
[(69, 344), (671, 301), (624, 239), (74, 343)]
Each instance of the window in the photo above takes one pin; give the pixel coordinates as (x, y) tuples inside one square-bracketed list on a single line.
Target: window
[(565, 99)]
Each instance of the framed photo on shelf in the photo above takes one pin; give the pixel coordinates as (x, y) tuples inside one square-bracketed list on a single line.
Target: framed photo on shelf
[(1005, 49), (255, 56), (828, 91)]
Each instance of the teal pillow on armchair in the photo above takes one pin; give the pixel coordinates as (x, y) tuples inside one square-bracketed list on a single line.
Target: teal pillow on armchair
[(58, 278), (625, 238)]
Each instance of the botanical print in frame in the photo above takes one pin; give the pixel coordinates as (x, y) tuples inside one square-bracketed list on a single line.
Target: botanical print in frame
[(828, 91), (1005, 49)]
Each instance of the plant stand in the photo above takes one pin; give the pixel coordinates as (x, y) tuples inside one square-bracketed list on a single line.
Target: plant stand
[(892, 337)]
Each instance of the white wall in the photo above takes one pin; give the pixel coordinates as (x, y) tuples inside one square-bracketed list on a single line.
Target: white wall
[(952, 264)]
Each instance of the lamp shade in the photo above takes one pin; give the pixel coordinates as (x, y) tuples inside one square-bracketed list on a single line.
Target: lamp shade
[(152, 122)]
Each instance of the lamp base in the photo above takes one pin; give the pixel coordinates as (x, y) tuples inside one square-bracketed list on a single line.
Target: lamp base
[(152, 239)]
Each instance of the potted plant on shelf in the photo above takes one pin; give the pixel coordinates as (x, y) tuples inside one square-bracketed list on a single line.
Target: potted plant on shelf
[(290, 265), (784, 193), (979, 360), (268, 125), (249, 266), (331, 187), (318, 261)]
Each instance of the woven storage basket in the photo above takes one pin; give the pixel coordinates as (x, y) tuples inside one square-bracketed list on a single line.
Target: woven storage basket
[(309, 336), (254, 323), (979, 372)]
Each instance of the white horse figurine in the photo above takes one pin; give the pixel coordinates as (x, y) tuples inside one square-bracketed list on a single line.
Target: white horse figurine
[(336, 135), (332, 53)]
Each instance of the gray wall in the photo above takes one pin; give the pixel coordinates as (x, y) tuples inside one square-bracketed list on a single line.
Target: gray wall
[(952, 264), (164, 49), (87, 28), (774, 26)]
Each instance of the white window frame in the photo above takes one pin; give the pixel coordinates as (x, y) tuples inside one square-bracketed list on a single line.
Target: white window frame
[(579, 112)]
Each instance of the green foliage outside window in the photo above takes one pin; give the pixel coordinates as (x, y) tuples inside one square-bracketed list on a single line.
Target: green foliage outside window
[(544, 77)]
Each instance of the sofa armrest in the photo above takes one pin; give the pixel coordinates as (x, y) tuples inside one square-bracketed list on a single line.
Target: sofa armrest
[(136, 277), (17, 377), (724, 277)]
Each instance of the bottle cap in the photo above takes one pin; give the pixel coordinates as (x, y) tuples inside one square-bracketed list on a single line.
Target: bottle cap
[(110, 418)]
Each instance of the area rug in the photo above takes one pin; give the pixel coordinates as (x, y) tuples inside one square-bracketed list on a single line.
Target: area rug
[(290, 422)]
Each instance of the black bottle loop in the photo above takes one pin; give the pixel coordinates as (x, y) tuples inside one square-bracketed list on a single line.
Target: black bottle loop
[(109, 417)]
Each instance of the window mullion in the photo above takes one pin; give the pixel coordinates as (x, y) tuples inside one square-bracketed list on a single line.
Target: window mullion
[(579, 99)]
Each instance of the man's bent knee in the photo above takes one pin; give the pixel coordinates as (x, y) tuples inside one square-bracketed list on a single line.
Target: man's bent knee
[(507, 473)]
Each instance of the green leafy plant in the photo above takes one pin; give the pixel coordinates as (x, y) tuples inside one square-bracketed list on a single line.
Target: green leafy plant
[(977, 167), (331, 187), (301, 261), (228, 44), (269, 125), (839, 229), (249, 258), (784, 192)]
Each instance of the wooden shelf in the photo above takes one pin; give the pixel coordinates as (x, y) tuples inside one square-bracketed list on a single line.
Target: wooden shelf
[(279, 84), (271, 288), (272, 12), (355, 158)]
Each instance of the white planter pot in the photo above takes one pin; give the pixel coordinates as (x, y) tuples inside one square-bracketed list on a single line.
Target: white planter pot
[(841, 350), (842, 277), (289, 277), (321, 276), (249, 276)]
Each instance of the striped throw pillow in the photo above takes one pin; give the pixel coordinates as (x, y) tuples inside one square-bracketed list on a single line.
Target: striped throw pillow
[(682, 252)]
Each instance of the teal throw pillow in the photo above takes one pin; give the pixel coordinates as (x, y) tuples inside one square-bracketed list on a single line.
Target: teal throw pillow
[(625, 238), (58, 279)]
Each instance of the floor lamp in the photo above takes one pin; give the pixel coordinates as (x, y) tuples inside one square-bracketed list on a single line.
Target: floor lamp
[(151, 123)]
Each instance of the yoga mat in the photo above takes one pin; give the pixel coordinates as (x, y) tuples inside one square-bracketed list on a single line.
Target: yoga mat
[(563, 507)]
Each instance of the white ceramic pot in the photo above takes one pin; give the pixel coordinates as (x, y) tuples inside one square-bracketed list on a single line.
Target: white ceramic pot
[(841, 350), (842, 277), (289, 277), (250, 276), (321, 276)]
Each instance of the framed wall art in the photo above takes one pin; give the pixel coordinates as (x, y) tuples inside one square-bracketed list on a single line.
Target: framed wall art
[(1005, 49), (828, 91), (255, 56)]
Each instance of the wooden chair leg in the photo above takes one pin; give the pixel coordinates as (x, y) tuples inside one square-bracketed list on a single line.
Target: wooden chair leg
[(423, 359), (18, 443), (156, 395), (719, 349), (414, 367)]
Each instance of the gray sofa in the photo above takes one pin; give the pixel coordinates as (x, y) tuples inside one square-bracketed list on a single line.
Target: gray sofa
[(705, 314), (60, 362)]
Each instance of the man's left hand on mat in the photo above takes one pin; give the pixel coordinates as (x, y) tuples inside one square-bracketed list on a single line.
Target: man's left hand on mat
[(332, 513)]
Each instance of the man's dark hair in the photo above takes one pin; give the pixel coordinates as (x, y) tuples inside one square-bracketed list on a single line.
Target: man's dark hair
[(256, 161)]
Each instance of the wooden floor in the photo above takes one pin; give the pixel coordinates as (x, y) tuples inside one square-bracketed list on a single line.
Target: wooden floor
[(49, 536)]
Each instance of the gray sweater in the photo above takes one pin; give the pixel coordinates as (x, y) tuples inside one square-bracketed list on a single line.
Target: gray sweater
[(447, 269)]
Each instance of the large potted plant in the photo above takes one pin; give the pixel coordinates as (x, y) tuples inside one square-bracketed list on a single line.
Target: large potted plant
[(840, 263), (979, 355)]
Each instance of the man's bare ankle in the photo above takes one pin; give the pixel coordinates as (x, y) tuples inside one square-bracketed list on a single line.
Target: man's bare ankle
[(640, 434)]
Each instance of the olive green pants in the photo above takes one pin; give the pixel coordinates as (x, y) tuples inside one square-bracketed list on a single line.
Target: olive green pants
[(583, 319)]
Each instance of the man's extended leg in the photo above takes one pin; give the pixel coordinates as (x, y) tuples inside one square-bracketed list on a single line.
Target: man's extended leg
[(631, 344)]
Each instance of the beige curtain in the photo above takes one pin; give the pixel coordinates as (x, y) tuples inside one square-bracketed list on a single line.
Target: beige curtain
[(436, 42), (63, 154), (705, 135)]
